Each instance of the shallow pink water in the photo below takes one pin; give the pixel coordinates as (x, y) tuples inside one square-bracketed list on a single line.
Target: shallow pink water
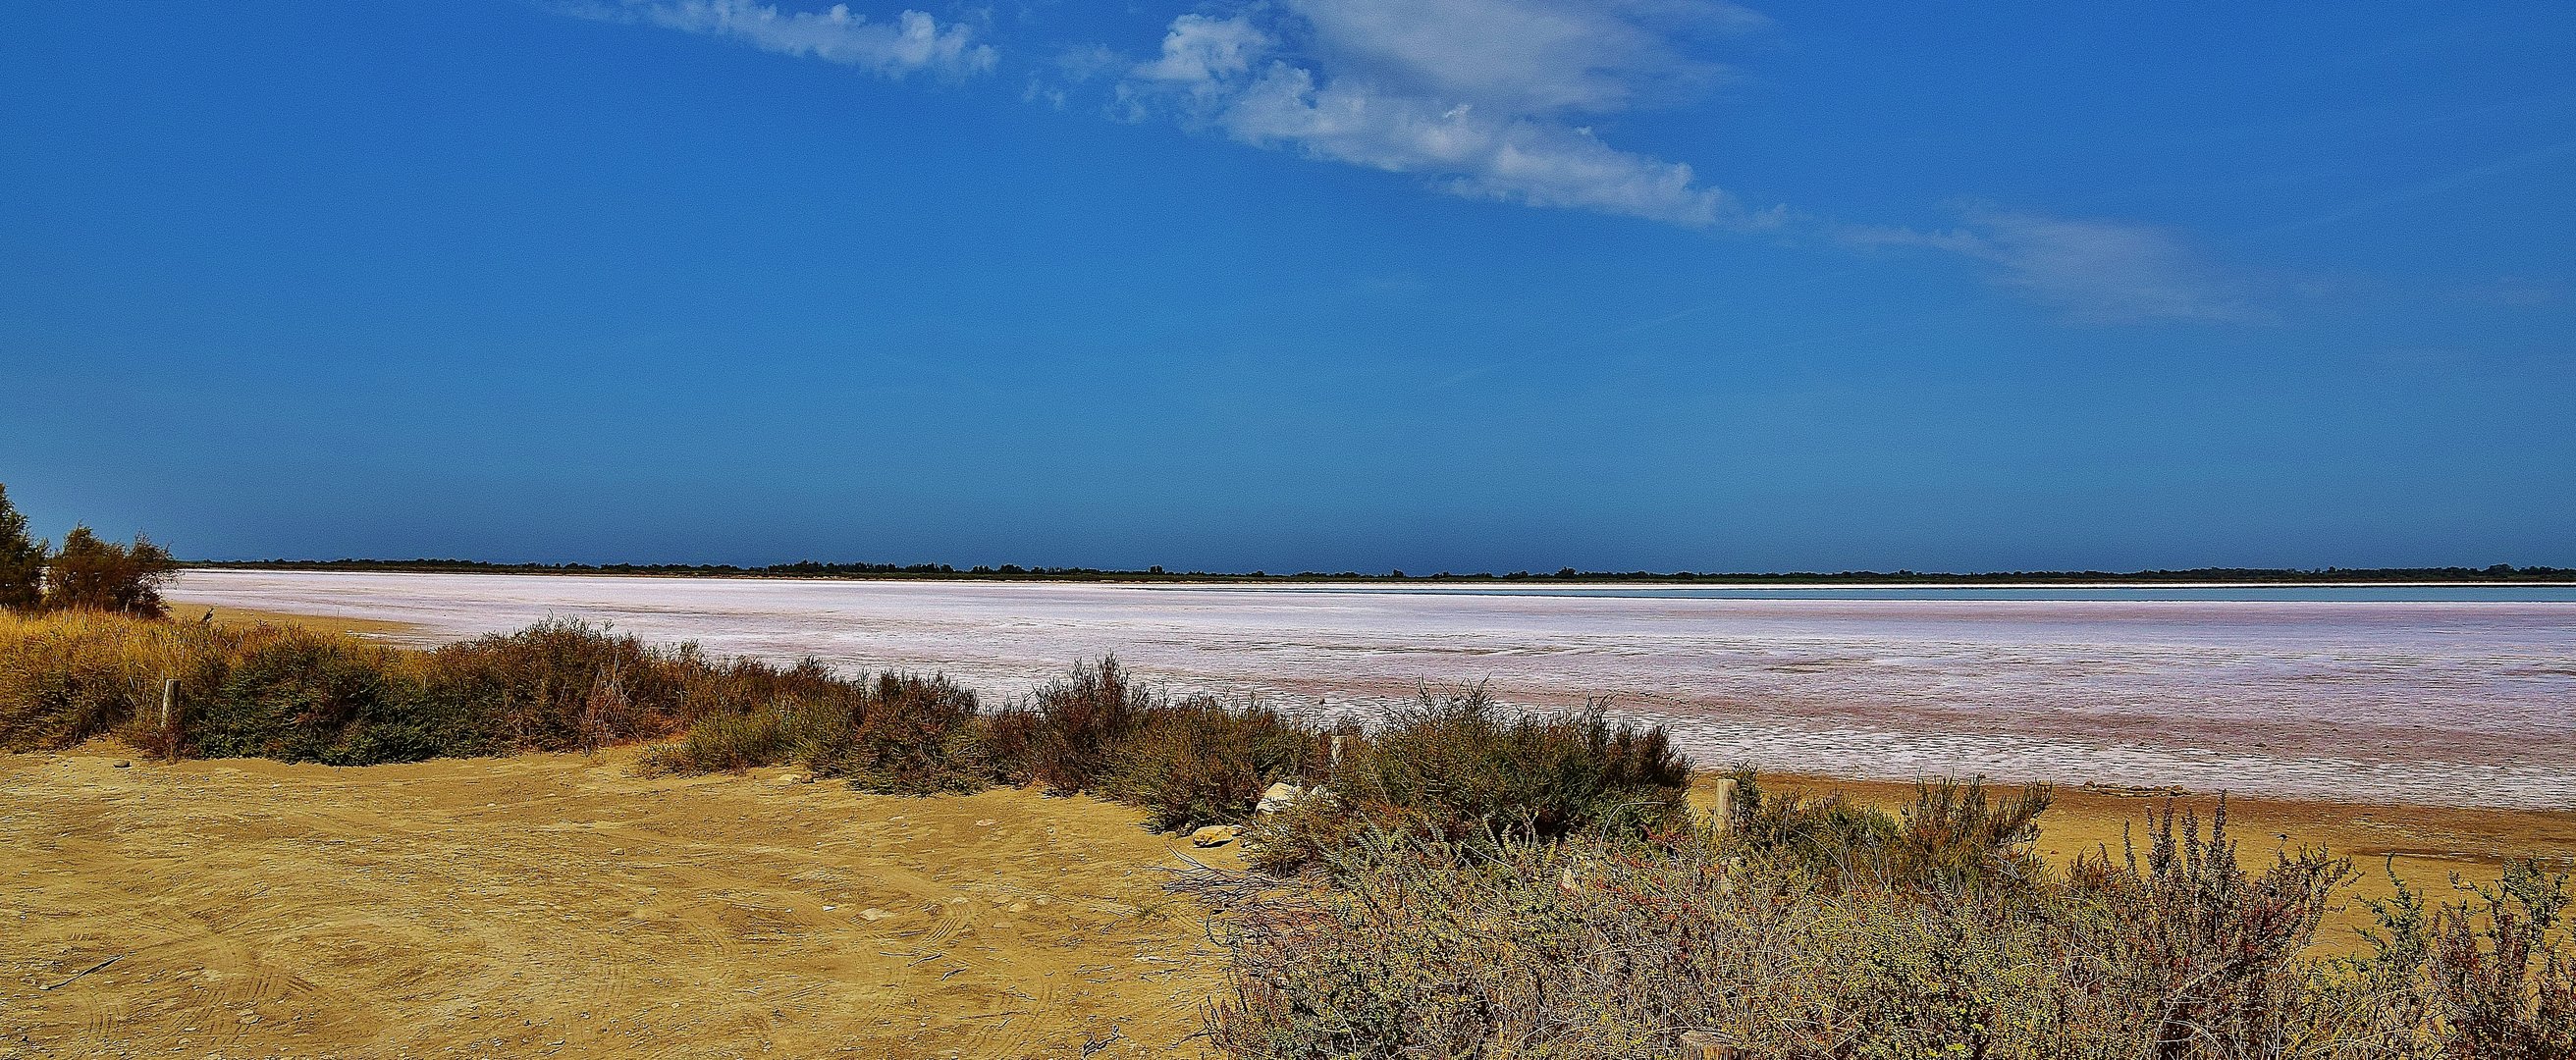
[(2467, 703)]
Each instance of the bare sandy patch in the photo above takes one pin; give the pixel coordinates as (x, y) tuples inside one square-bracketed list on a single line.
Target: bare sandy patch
[(196, 611), (557, 905)]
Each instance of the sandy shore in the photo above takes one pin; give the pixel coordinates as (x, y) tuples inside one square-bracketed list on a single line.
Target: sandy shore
[(556, 905), (560, 905)]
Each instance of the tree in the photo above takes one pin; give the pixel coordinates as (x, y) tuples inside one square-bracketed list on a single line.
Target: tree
[(94, 575), (22, 560)]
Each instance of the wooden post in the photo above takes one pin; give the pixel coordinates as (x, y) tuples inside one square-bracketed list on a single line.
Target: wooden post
[(1337, 753), (1708, 1045), (1724, 810), (169, 701)]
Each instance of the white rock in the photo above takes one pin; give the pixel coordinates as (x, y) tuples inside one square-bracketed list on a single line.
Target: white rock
[(1280, 796)]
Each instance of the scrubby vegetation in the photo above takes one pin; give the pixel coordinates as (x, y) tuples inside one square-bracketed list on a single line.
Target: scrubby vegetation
[(86, 574), (1452, 768), (1458, 879), (1830, 931), (302, 696), (1189, 762)]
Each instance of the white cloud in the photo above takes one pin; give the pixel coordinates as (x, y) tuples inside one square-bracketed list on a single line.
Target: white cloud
[(1470, 94), (1201, 50), (1511, 158), (2094, 271), (912, 42), (1488, 99), (1530, 57)]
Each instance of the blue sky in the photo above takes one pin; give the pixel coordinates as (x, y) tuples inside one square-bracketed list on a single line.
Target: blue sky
[(1303, 284)]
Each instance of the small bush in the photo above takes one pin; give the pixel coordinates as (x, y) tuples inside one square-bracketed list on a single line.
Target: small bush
[(561, 685), (1954, 839), (1080, 722), (2492, 975), (897, 735), (1453, 768), (91, 574), (2200, 952), (1200, 761), (781, 732), (298, 696), (913, 736)]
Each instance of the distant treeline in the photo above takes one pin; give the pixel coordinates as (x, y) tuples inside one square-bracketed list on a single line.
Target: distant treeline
[(2499, 573)]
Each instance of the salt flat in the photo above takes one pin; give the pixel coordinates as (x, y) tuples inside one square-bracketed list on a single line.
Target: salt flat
[(2458, 701)]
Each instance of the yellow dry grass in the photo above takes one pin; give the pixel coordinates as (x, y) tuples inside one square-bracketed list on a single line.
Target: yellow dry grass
[(222, 615)]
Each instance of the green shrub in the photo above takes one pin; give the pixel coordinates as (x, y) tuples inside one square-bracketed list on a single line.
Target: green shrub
[(298, 696), (91, 574)]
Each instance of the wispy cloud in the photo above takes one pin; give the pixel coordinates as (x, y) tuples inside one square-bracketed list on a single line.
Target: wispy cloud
[(912, 42), (2094, 271), (1489, 99), (1479, 97)]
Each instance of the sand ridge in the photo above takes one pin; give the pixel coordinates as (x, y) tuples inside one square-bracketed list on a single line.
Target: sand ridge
[(558, 905)]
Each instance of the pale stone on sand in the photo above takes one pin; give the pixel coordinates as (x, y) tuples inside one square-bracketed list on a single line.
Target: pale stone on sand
[(1280, 796)]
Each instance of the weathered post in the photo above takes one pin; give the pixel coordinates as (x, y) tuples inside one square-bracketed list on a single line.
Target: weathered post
[(1708, 1045), (1724, 809), (1336, 753), (169, 701)]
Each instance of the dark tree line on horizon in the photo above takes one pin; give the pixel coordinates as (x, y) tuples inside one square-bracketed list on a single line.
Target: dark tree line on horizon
[(2498, 573)]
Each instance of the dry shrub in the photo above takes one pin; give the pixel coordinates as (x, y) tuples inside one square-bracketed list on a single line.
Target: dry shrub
[(2202, 950), (2488, 975), (297, 695), (1191, 762), (1080, 721), (911, 736), (1408, 947), (1953, 839), (1454, 768), (782, 731), (68, 676), (1200, 761), (562, 685)]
